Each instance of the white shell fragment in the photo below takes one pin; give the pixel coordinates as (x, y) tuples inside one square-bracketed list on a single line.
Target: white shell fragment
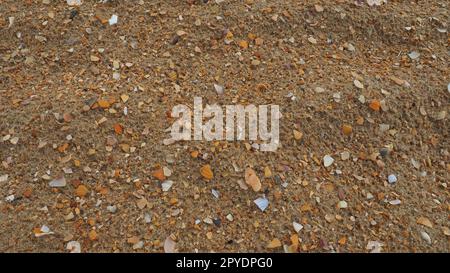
[(74, 247)]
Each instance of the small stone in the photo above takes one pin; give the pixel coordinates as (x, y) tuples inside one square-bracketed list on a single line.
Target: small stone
[(416, 164), (319, 89), (384, 152), (10, 198), (345, 155), (124, 97), (275, 243), (215, 193), (167, 172), (229, 217), (328, 161), (219, 89), (138, 245), (243, 44), (93, 236), (58, 183), (262, 203), (166, 185), (133, 240), (392, 178), (159, 174), (206, 172), (312, 40), (113, 20), (103, 103), (94, 58), (217, 222), (14, 140), (147, 218), (3, 178), (297, 135), (141, 203), (116, 76), (81, 191), (318, 8), (297, 226), (342, 205), (169, 245), (375, 105), (252, 179), (414, 55), (111, 209), (174, 40), (347, 129)]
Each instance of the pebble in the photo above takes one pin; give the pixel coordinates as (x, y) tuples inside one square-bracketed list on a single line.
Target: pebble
[(147, 218), (229, 217), (10, 198), (219, 89), (345, 155), (217, 222), (328, 161), (414, 55), (342, 204), (167, 172), (319, 89), (215, 193), (166, 185), (3, 178), (384, 152), (113, 20), (312, 40), (14, 140), (112, 209), (58, 183), (297, 226), (262, 203), (392, 179), (208, 221), (138, 245), (169, 245), (116, 76), (252, 179)]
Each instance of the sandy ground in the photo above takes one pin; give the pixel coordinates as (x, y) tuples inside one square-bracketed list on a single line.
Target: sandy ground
[(90, 102)]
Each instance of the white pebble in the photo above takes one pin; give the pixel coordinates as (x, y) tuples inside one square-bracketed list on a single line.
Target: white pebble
[(328, 161), (392, 178)]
